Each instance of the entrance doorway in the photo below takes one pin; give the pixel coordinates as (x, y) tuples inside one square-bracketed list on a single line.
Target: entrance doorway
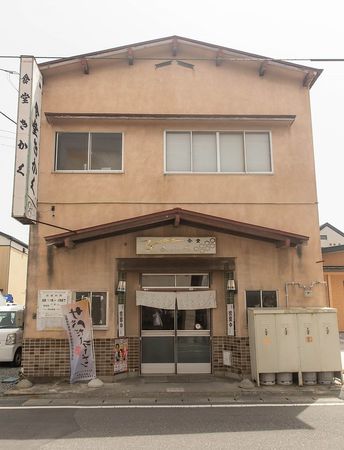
[(175, 341)]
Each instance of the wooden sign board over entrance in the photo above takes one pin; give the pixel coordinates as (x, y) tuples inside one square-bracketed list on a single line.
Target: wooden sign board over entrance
[(176, 245)]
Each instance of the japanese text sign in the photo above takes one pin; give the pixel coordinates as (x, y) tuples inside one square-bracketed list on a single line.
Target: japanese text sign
[(27, 142)]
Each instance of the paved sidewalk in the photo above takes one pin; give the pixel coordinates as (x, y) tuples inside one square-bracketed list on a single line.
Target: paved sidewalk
[(169, 390)]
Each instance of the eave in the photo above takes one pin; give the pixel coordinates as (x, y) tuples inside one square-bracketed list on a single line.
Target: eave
[(254, 118), (176, 217)]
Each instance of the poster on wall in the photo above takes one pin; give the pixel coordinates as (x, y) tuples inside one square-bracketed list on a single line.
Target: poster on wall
[(49, 312), (230, 319), (121, 356), (78, 324)]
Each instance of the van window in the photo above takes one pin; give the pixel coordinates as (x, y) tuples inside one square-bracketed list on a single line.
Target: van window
[(8, 319)]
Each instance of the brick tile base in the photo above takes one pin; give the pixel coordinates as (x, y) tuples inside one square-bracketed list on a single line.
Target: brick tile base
[(50, 357), (239, 346)]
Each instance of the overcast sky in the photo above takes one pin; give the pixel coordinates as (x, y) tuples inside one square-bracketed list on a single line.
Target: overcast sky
[(293, 29)]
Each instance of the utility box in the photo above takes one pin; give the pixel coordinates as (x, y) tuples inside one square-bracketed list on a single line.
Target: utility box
[(293, 340)]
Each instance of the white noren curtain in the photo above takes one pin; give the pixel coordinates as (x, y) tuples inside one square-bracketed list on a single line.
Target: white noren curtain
[(163, 300), (196, 300)]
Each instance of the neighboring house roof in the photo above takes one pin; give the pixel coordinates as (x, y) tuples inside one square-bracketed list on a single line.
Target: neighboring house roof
[(311, 73), (333, 249), (176, 216), (332, 228), (11, 238)]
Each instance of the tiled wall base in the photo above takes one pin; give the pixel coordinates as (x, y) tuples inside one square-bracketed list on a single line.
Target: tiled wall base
[(50, 357), (239, 346)]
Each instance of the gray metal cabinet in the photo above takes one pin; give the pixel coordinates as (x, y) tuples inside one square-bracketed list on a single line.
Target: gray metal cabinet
[(293, 340)]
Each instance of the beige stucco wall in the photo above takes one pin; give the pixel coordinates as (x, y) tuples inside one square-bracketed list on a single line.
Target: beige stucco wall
[(285, 199)]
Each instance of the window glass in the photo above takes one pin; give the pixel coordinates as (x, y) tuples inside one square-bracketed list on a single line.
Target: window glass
[(153, 280), (7, 319), (257, 152), (253, 299), (82, 295), (193, 319), (204, 152), (157, 318), (178, 152), (106, 151), (190, 280), (232, 152), (98, 308), (269, 299), (98, 304), (72, 151)]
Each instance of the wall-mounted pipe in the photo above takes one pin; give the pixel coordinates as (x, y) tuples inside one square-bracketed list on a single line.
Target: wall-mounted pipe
[(300, 285)]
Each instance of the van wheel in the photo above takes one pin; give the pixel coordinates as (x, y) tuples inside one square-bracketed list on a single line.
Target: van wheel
[(17, 358)]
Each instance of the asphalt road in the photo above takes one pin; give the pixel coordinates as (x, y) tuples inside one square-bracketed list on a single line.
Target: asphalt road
[(240, 427)]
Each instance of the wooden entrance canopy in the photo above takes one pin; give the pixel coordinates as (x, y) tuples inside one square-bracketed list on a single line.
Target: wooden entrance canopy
[(176, 217)]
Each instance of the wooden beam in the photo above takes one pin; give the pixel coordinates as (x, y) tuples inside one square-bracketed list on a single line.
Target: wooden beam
[(85, 67), (284, 244), (174, 47), (176, 220), (219, 58), (69, 243), (130, 56), (307, 79), (262, 68)]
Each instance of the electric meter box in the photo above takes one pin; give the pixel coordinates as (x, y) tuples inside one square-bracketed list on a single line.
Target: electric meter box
[(293, 340)]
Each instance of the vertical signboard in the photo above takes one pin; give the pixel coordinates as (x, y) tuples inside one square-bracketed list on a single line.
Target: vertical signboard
[(121, 330), (230, 319), (24, 206)]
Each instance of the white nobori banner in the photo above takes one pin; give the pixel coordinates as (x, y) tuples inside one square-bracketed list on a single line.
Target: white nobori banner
[(78, 324)]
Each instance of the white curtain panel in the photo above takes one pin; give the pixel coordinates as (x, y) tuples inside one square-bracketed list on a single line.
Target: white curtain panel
[(162, 300), (196, 300)]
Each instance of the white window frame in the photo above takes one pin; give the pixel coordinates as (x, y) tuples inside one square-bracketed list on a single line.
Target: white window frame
[(218, 163), (121, 170), (175, 287), (96, 327)]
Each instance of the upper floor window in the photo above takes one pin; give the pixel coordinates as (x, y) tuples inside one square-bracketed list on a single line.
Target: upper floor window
[(223, 152), (88, 151), (323, 237)]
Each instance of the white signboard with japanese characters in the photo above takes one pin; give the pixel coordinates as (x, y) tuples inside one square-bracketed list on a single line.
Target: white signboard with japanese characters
[(49, 312), (121, 321), (176, 245), (24, 206), (230, 319)]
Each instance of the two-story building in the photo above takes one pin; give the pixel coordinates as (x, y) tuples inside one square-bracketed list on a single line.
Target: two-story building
[(13, 267), (181, 175)]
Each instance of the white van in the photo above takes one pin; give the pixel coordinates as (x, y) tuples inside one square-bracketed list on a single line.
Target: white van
[(11, 333)]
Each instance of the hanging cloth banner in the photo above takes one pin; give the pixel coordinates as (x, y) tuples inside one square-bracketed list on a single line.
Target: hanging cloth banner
[(162, 300), (78, 324), (196, 300)]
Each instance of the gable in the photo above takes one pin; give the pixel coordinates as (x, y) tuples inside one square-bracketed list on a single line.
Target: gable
[(185, 52)]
